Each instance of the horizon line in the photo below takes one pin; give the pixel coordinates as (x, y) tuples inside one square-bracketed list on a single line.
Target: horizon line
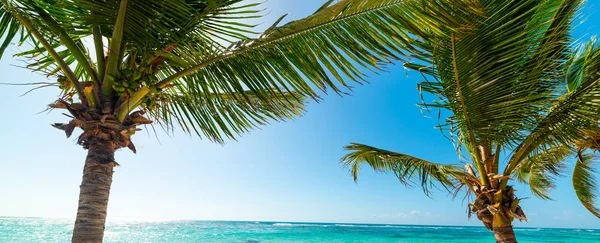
[(295, 222)]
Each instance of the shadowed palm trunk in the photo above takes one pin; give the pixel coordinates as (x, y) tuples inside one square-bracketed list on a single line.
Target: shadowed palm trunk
[(505, 234), (94, 192)]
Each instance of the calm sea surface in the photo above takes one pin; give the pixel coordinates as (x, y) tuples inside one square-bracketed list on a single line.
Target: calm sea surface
[(59, 230)]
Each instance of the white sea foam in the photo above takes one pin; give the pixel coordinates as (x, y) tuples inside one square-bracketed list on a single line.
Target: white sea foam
[(366, 226), (297, 225), (282, 224), (346, 225)]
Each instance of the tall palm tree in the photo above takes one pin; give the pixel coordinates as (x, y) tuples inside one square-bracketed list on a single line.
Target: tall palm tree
[(120, 64), (504, 88)]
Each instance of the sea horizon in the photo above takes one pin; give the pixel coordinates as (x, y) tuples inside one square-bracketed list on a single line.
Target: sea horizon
[(295, 222), (44, 229)]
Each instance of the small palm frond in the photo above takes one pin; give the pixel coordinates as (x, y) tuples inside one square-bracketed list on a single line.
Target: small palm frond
[(9, 29), (580, 65), (221, 116), (408, 169), (589, 140), (540, 170), (585, 182)]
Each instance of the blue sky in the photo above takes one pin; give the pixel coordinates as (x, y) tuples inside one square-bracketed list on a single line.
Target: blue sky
[(283, 172)]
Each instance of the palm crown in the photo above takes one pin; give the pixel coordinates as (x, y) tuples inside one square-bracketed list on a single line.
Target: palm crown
[(505, 87)]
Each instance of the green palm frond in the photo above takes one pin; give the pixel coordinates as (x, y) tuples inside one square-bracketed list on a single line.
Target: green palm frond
[(150, 26), (497, 80), (585, 182), (540, 170), (589, 140), (350, 32), (571, 114), (315, 52), (408, 169), (9, 29), (581, 64), (222, 116)]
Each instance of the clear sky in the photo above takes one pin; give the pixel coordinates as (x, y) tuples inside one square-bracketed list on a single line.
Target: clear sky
[(282, 172)]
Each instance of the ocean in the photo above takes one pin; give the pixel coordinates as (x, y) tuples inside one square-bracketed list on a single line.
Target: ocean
[(18, 230)]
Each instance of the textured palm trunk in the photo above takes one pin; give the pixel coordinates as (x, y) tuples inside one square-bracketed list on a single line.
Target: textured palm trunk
[(94, 192), (505, 234), (497, 209)]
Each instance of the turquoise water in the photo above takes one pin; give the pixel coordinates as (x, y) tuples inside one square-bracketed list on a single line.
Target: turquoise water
[(59, 230)]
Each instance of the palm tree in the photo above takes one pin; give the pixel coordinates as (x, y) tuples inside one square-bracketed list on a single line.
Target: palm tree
[(120, 64), (503, 88)]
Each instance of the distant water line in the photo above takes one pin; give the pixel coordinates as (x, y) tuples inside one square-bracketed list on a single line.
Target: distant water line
[(13, 229)]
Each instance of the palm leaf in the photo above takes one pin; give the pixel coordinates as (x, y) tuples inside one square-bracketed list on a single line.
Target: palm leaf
[(360, 32), (221, 116), (9, 28), (571, 114), (540, 170), (408, 169), (313, 53), (579, 65), (585, 182), (150, 26), (497, 80)]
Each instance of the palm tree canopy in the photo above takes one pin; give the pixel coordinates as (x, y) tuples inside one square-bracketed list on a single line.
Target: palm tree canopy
[(504, 84), (192, 62)]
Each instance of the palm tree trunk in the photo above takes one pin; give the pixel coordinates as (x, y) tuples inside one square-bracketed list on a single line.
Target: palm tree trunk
[(505, 234), (94, 191)]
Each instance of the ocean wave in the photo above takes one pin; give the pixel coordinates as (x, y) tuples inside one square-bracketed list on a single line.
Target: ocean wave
[(298, 225), (366, 226), (412, 227), (345, 225), (282, 224)]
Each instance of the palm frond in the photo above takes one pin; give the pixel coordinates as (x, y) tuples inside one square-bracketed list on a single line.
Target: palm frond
[(497, 80), (540, 170), (571, 114), (313, 53), (408, 169), (9, 28), (152, 24), (193, 25), (579, 65), (221, 116), (589, 140), (585, 182)]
